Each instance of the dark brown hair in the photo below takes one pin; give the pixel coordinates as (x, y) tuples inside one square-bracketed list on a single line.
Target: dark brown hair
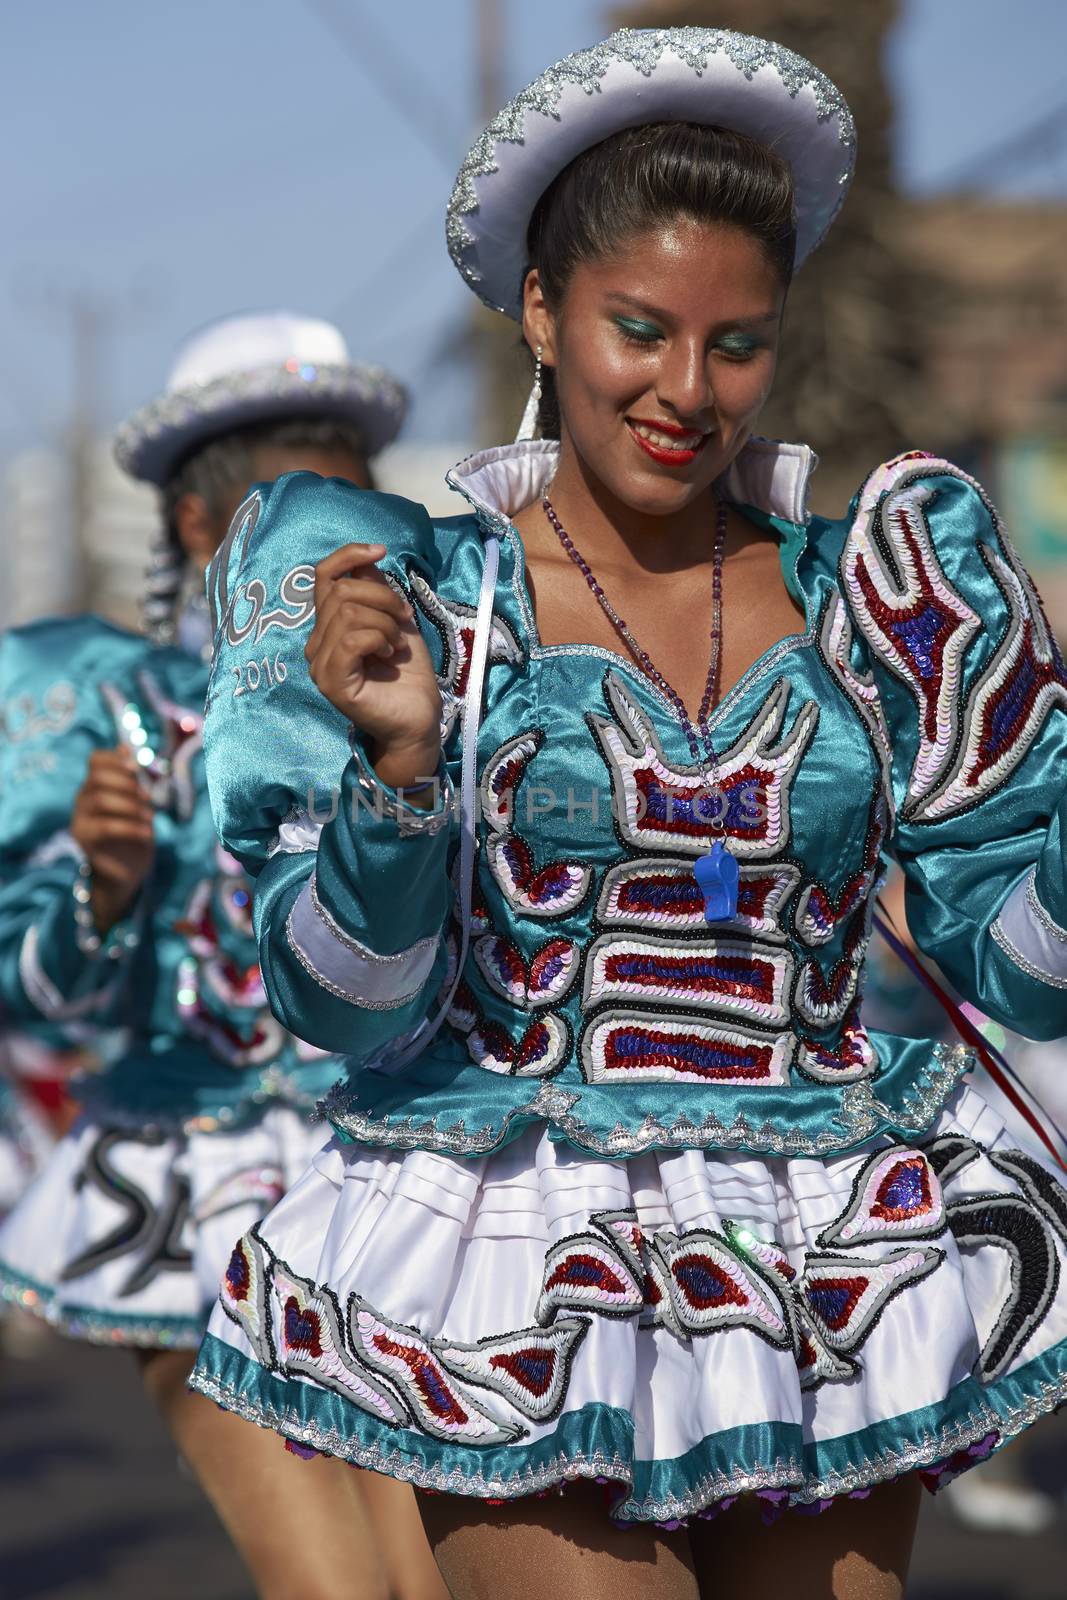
[(644, 177), (217, 470)]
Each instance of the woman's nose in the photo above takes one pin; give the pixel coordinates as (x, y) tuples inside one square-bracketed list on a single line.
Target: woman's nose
[(683, 385)]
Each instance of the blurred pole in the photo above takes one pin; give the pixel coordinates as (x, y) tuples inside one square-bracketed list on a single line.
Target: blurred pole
[(490, 58), (91, 321), (54, 564)]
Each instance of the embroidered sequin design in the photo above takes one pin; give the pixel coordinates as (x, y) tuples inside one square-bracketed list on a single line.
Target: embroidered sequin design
[(1008, 703), (658, 1310), (845, 1296), (819, 914), (1010, 1223), (587, 1273), (243, 525), (150, 1234), (454, 624), (769, 1255), (165, 763), (823, 998), (663, 806), (220, 997), (714, 1287), (258, 1041), (549, 891), (850, 1060), (618, 1045), (859, 688), (544, 981), (310, 1340), (910, 613), (624, 1232), (658, 894), (530, 1368), (949, 1153), (441, 1406), (261, 1185), (1027, 1227), (895, 1195), (692, 1283), (1039, 1186), (538, 1052), (816, 1362), (244, 1295), (503, 773), (742, 979)]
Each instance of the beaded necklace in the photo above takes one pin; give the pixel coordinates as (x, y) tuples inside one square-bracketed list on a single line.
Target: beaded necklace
[(717, 872)]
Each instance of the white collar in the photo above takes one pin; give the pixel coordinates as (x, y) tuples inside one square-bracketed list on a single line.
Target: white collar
[(769, 476)]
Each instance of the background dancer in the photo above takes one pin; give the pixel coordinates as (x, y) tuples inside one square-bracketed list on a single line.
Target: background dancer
[(121, 911)]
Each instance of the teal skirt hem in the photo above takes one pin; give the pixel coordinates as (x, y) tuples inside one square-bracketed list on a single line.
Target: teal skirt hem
[(596, 1442), (99, 1327)]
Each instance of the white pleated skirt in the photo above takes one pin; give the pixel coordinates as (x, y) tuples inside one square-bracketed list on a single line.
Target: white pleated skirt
[(684, 1326)]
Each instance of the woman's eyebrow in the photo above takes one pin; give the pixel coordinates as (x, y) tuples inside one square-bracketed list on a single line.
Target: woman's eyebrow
[(658, 314)]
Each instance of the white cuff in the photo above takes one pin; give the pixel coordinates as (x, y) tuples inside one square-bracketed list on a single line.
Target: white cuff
[(349, 969), (1030, 937)]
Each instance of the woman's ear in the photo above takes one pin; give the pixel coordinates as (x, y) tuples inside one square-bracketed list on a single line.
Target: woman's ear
[(196, 529), (538, 323)]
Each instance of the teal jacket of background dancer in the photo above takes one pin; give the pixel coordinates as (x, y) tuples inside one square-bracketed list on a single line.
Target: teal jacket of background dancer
[(919, 711), (172, 995)]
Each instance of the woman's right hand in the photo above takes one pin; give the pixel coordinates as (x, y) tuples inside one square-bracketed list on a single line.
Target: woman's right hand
[(112, 821), (369, 659)]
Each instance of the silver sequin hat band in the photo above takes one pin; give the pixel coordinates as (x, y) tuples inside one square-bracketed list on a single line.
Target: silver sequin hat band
[(639, 76), (258, 367)]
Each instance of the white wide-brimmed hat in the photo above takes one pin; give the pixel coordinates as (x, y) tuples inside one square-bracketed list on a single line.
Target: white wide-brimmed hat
[(255, 368), (640, 76)]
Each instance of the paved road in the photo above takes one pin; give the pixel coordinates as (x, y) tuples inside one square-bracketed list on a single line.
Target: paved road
[(94, 1507)]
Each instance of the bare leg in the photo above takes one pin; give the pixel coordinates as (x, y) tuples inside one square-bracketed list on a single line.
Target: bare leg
[(857, 1550), (299, 1526), (560, 1545), (402, 1545)]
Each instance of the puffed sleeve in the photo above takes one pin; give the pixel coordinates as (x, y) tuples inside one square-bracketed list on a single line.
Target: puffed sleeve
[(974, 693), (351, 879), (52, 965)]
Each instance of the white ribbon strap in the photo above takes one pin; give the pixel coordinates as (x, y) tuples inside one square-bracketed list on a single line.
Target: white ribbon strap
[(468, 801)]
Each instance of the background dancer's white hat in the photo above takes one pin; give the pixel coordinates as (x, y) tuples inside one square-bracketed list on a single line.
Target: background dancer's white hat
[(254, 368)]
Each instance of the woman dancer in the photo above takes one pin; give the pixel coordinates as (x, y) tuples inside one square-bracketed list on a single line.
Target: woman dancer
[(648, 1213), (121, 911)]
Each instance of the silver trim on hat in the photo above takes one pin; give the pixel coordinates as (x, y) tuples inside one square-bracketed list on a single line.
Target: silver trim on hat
[(151, 442), (642, 49)]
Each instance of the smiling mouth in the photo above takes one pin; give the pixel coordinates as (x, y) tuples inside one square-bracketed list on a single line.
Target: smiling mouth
[(666, 442)]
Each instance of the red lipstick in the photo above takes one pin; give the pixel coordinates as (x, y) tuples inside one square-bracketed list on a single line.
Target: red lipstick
[(667, 456)]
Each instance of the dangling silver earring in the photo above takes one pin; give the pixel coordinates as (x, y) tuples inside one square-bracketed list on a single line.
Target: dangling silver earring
[(530, 417)]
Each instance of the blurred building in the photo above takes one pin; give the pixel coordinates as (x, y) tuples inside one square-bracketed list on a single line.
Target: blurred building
[(934, 324), (79, 541)]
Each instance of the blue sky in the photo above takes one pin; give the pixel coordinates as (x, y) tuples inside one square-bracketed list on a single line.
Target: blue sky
[(183, 160)]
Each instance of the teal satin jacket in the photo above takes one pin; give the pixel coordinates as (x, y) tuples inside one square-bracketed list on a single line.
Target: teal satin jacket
[(921, 713), (173, 994)]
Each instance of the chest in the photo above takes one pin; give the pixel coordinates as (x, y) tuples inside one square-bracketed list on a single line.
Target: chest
[(670, 615), (586, 773)]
